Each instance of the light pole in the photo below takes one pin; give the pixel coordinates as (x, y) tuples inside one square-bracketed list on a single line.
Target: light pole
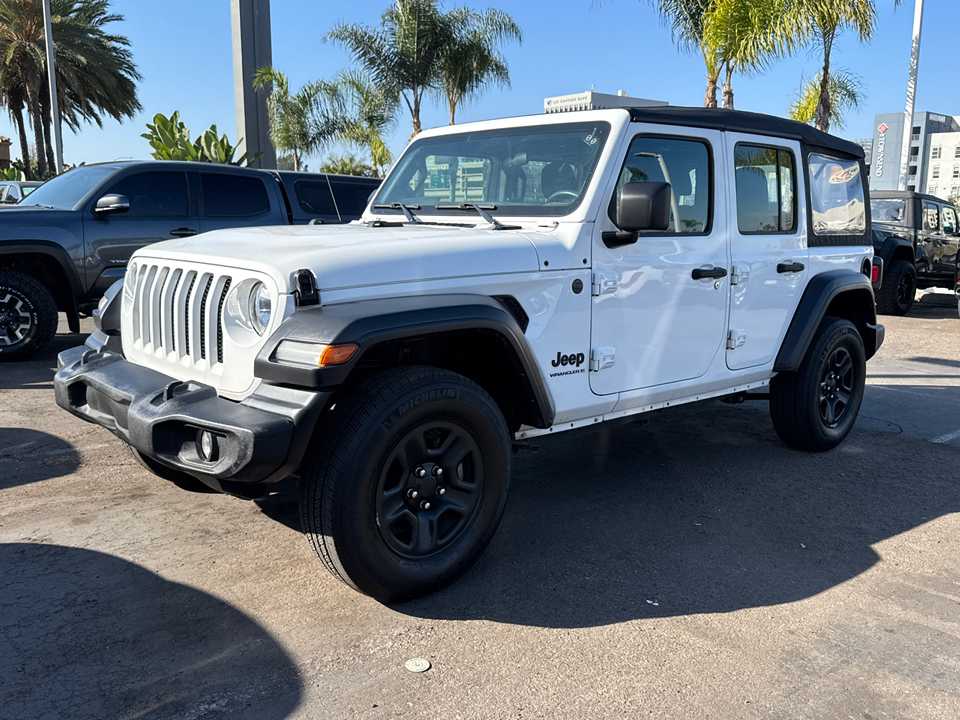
[(252, 51), (911, 95), (52, 83)]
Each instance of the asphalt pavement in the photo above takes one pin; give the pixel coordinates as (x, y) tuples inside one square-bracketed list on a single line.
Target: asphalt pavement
[(691, 566)]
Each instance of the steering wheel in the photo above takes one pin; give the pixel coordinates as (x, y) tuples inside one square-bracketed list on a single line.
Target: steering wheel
[(559, 194)]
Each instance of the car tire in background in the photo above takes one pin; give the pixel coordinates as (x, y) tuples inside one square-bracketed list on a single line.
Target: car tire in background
[(898, 290), (28, 315)]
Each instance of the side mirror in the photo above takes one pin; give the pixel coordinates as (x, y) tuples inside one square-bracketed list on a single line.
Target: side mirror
[(640, 206), (644, 206), (109, 204)]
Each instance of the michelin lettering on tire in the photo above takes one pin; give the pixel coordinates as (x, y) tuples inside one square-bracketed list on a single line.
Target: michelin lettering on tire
[(417, 400)]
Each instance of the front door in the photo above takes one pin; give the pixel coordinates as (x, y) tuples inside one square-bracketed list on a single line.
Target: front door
[(659, 304)]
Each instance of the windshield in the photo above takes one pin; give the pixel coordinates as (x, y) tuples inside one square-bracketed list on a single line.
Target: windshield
[(888, 210), (542, 170), (65, 191)]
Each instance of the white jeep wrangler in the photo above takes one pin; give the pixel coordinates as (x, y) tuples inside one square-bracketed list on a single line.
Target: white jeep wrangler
[(509, 279)]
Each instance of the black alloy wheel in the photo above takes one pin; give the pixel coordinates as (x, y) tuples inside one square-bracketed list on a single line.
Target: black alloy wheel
[(406, 481), (815, 407)]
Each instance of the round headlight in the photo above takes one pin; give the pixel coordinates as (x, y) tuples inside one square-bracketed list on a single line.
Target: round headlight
[(260, 307)]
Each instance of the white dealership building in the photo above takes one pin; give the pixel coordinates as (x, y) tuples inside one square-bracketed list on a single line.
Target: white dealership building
[(934, 156)]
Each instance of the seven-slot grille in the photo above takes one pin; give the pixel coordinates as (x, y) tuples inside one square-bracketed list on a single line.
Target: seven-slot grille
[(179, 311)]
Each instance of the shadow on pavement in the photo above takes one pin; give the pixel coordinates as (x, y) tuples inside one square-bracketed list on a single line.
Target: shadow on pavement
[(37, 371), (89, 635), (28, 456), (704, 510)]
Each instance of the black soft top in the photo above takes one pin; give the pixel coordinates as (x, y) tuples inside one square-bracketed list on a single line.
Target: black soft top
[(746, 122)]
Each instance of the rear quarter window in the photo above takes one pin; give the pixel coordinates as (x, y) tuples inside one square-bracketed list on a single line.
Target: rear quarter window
[(836, 196)]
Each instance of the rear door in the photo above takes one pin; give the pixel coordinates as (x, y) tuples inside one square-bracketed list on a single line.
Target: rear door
[(229, 201), (768, 246)]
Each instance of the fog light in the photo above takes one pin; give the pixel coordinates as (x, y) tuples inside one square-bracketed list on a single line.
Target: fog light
[(207, 445)]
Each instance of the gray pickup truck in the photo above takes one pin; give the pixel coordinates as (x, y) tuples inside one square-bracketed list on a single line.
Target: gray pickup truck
[(71, 238)]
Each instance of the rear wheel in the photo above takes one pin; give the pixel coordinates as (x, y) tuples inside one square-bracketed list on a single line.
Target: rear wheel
[(406, 483), (898, 289), (815, 407), (28, 315)]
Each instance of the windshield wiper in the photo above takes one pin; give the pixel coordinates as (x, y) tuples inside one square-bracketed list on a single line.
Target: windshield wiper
[(405, 209), (480, 209)]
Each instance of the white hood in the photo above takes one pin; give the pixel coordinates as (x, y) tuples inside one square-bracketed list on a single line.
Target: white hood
[(345, 256)]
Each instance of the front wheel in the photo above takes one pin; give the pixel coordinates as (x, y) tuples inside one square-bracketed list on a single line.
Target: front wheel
[(28, 315), (406, 483), (815, 407)]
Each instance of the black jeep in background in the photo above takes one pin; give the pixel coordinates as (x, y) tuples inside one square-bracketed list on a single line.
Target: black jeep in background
[(916, 235), (70, 239)]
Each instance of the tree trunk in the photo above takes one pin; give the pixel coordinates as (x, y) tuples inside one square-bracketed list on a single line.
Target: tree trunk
[(710, 98), (453, 112), (33, 109), (47, 130), (22, 132), (728, 89), (822, 117)]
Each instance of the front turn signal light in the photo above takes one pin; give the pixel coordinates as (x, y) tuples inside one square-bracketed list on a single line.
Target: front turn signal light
[(309, 354)]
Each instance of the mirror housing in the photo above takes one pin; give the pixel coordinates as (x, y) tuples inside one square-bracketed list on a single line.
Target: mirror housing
[(109, 204), (644, 206), (640, 206)]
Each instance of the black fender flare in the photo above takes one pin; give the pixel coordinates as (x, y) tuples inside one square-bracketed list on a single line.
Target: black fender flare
[(51, 250), (897, 248), (821, 291), (372, 322)]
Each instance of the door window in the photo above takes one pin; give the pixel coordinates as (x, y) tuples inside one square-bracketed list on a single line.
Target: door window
[(154, 194), (233, 196), (836, 195), (931, 217), (685, 166), (351, 198), (314, 197), (766, 189), (949, 221)]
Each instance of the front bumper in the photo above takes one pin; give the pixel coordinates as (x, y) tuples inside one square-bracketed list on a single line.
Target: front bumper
[(257, 441)]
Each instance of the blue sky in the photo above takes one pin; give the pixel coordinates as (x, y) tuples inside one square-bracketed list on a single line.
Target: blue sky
[(182, 49)]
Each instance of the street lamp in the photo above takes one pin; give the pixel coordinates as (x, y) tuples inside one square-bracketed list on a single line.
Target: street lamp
[(911, 95), (52, 83)]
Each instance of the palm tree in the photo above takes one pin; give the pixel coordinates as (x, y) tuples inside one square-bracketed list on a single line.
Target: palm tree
[(732, 35), (823, 21), (401, 54), (368, 112), (846, 93), (470, 60), (94, 69), (301, 123)]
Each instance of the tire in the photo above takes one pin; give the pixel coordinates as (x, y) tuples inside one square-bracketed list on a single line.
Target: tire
[(898, 289), (406, 482), (815, 407), (28, 315)]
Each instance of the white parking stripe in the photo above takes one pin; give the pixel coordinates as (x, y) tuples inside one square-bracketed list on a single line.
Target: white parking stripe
[(947, 438)]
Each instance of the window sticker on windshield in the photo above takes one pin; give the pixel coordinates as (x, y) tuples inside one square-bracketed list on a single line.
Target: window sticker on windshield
[(592, 138)]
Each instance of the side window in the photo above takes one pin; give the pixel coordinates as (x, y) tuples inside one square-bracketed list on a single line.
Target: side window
[(154, 194), (351, 199), (685, 166), (931, 217), (949, 221), (233, 196), (314, 197), (836, 196), (766, 189)]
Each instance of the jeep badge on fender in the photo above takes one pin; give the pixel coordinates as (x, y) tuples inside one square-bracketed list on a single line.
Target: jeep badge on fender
[(712, 243)]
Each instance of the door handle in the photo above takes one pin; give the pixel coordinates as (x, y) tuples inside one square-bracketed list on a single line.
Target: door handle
[(712, 273), (789, 267), (183, 232)]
